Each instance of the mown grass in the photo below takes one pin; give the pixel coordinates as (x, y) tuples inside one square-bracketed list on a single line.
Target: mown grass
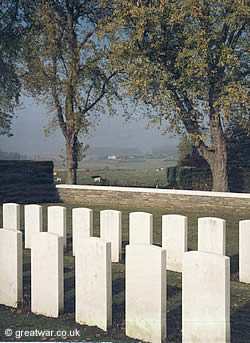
[(146, 173), (23, 319)]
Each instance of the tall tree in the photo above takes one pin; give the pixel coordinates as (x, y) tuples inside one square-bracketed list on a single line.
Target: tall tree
[(66, 67), (10, 43), (187, 59)]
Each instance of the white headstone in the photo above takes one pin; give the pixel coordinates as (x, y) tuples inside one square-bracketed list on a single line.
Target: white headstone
[(57, 221), (212, 235), (47, 274), (244, 251), (11, 216), (11, 267), (33, 219), (110, 230), (174, 240), (146, 293), (205, 298), (93, 282), (82, 223), (140, 228)]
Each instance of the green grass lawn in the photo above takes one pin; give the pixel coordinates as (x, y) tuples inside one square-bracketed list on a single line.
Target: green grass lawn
[(144, 173), (23, 319)]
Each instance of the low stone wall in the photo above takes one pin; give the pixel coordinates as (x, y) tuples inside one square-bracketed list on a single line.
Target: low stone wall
[(177, 200)]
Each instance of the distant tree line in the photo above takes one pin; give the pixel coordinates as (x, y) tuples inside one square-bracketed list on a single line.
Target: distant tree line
[(11, 156)]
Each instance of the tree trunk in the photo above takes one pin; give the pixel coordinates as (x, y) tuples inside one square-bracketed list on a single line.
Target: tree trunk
[(72, 154), (217, 160), (219, 172), (216, 156)]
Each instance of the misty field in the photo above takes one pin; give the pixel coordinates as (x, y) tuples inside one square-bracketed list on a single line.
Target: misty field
[(139, 173), (23, 319)]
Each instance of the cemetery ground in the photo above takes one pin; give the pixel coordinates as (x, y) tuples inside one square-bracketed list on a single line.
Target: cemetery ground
[(22, 319)]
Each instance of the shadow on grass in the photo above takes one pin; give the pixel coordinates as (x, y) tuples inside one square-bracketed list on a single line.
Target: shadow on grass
[(68, 250), (69, 283), (69, 299), (27, 282), (69, 304), (234, 267), (240, 325), (26, 267), (174, 324), (26, 302), (122, 258), (118, 314), (118, 285), (173, 290), (67, 270), (118, 302)]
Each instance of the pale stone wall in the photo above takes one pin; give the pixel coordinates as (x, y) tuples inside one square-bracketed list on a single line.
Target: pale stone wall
[(176, 200), (11, 216), (82, 224), (146, 293), (174, 240), (140, 228), (205, 298), (244, 251), (111, 230), (212, 235), (47, 274), (11, 267), (33, 222), (57, 222), (93, 282)]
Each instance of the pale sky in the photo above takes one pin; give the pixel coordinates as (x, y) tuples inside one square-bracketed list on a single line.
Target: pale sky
[(29, 137)]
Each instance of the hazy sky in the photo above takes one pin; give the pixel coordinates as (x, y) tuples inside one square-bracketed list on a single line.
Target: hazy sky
[(29, 136)]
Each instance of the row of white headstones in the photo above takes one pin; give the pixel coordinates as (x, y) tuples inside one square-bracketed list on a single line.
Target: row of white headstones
[(205, 273)]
